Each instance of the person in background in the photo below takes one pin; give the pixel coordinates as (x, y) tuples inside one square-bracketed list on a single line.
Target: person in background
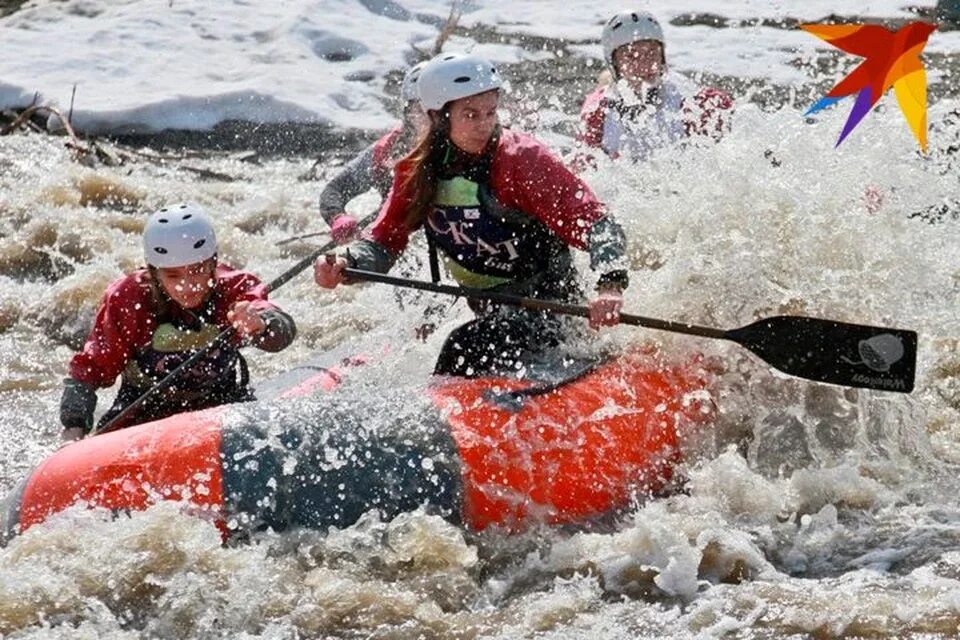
[(373, 167), (152, 320), (638, 109), (502, 212)]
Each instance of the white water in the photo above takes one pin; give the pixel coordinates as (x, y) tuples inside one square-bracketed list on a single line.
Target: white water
[(146, 65), (837, 512)]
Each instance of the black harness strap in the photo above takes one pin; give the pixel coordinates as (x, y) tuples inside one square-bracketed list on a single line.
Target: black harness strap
[(434, 259)]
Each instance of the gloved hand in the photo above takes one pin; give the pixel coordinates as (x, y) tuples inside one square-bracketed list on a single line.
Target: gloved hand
[(328, 271), (246, 319), (344, 228), (605, 308), (77, 405)]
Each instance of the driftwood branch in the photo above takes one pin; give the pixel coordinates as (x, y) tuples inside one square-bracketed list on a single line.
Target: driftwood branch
[(446, 31), (73, 96), (107, 154), (12, 115), (74, 142), (158, 158)]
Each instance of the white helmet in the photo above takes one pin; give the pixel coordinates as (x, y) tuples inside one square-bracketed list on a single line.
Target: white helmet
[(627, 27), (408, 91), (451, 76), (178, 235)]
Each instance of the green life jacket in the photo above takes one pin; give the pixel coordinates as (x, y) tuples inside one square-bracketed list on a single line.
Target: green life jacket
[(485, 245)]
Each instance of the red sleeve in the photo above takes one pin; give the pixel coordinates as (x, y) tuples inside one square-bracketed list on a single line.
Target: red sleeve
[(124, 322), (709, 113), (390, 229), (525, 175), (591, 119), (382, 149)]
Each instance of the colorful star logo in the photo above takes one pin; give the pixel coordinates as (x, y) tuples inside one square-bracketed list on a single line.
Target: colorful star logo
[(892, 59)]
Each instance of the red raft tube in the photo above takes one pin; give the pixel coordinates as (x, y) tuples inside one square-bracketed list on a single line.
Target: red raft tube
[(480, 452)]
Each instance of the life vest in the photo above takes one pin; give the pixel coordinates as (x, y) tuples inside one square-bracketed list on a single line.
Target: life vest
[(484, 244), (170, 347), (636, 131), (219, 377)]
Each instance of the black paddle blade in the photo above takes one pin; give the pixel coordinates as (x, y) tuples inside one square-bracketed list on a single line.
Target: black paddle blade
[(852, 355)]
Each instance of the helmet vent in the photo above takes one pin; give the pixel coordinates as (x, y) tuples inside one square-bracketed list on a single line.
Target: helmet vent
[(617, 26), (462, 79), (163, 221), (635, 18), (188, 216), (160, 250), (450, 57), (199, 243)]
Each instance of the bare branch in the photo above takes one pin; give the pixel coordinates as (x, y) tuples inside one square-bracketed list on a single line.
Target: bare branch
[(447, 30), (73, 94), (74, 142)]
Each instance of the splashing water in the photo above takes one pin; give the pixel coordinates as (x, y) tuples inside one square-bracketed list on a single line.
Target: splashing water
[(808, 509)]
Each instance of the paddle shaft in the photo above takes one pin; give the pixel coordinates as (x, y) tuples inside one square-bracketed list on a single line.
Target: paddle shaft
[(222, 338), (301, 237), (535, 304)]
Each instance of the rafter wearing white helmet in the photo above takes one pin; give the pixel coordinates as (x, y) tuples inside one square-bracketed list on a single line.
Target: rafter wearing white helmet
[(452, 76), (626, 28), (177, 236)]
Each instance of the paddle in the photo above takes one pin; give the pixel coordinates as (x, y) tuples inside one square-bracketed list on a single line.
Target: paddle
[(852, 355), (222, 338)]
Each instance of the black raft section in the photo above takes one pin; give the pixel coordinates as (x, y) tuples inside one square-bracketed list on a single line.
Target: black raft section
[(326, 462)]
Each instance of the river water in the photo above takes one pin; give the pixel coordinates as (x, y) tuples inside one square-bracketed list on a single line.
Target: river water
[(811, 510)]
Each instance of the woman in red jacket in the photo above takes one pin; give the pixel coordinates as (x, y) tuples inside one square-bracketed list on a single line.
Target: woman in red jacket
[(153, 319), (501, 211)]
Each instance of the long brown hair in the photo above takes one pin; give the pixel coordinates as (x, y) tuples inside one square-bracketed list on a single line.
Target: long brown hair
[(411, 128), (162, 304), (424, 163)]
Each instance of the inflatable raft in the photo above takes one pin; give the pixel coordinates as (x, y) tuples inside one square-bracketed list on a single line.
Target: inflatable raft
[(570, 446)]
